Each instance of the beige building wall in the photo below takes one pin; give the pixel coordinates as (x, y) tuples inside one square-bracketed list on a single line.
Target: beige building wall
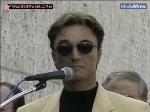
[(25, 45)]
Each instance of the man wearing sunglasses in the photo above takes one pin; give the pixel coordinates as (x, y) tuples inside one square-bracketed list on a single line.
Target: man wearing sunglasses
[(76, 40)]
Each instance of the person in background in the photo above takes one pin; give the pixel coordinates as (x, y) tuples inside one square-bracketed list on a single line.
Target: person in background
[(76, 42), (127, 83), (7, 90)]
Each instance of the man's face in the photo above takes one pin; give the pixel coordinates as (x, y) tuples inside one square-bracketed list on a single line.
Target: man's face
[(81, 58), (124, 87), (4, 91)]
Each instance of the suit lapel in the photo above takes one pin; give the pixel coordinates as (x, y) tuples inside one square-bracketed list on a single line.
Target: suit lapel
[(102, 102), (53, 103)]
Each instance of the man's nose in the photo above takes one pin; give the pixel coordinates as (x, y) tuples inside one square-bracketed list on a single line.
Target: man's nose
[(75, 55)]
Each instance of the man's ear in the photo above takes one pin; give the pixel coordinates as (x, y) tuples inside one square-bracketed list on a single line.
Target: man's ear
[(99, 55), (54, 57)]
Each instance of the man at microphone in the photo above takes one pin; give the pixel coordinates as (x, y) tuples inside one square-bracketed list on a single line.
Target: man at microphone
[(76, 42)]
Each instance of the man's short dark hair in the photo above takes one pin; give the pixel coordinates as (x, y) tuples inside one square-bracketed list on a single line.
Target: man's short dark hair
[(15, 90), (69, 19)]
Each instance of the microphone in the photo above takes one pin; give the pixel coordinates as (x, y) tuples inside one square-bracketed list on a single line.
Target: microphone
[(65, 73)]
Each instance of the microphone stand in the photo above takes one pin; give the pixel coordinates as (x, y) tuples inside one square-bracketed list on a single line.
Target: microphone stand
[(40, 85)]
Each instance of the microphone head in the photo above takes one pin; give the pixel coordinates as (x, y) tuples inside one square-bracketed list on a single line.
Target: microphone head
[(68, 73)]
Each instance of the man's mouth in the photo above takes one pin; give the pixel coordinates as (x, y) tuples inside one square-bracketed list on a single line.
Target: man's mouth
[(76, 66)]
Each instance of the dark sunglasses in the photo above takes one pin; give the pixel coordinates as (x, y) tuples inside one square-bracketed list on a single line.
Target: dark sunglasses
[(65, 49)]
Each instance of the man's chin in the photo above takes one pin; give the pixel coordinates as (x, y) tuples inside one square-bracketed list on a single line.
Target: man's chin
[(77, 78)]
